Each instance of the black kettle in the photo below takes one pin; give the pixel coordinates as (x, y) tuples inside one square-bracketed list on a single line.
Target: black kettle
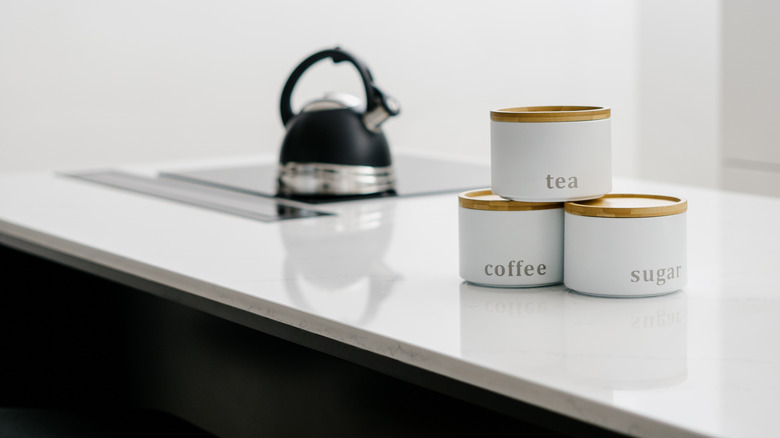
[(335, 147)]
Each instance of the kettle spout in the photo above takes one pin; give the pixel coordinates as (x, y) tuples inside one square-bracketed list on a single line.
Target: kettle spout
[(387, 107)]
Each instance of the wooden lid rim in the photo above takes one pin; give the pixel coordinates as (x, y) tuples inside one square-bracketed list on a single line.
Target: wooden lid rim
[(583, 208), (562, 113), (475, 200)]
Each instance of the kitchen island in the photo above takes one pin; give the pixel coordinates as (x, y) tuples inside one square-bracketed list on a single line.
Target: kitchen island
[(351, 317)]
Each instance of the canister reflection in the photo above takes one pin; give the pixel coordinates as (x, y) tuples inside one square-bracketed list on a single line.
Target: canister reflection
[(513, 329), (335, 264), (604, 344), (626, 344)]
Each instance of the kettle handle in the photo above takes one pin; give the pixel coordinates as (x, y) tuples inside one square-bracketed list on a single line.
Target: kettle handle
[(374, 97)]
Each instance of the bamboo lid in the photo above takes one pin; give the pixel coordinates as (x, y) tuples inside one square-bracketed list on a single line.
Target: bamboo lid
[(536, 114), (485, 199), (616, 205)]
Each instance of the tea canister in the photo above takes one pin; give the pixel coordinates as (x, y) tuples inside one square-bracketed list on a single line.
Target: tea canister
[(507, 243), (626, 245), (551, 153)]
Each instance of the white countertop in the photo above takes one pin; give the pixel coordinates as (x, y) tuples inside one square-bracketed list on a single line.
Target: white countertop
[(382, 275)]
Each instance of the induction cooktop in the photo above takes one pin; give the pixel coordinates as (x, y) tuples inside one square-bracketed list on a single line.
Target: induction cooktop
[(249, 190), (416, 176)]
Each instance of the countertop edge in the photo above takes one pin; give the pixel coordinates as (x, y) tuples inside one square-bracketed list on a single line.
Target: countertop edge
[(513, 388)]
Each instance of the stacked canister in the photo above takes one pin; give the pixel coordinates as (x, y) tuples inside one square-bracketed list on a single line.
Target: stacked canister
[(549, 216)]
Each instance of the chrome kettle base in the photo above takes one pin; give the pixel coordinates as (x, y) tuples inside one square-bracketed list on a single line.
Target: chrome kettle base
[(327, 179)]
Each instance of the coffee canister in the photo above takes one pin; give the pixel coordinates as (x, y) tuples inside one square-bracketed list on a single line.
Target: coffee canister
[(626, 245), (508, 243), (551, 153)]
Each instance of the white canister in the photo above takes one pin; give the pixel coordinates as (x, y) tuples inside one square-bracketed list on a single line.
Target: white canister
[(626, 245), (551, 153), (508, 243)]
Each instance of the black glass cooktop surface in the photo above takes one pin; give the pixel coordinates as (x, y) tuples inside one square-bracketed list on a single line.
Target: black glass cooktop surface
[(415, 176), (249, 191)]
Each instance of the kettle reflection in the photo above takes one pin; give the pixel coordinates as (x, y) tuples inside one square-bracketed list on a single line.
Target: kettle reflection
[(627, 343), (335, 264)]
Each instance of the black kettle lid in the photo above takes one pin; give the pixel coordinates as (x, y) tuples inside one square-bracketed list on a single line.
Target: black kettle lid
[(376, 100)]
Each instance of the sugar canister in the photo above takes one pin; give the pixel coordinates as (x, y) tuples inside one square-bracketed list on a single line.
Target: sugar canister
[(626, 245)]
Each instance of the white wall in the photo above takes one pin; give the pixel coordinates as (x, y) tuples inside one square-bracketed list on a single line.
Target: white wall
[(97, 83), (679, 98), (751, 93)]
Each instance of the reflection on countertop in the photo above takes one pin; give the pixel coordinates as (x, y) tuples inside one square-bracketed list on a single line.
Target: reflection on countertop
[(627, 343), (601, 343), (353, 244), (522, 329)]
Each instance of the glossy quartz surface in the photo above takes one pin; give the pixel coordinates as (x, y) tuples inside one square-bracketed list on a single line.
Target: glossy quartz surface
[(382, 275)]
